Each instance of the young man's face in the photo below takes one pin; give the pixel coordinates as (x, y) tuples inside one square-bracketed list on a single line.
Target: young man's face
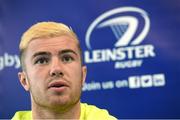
[(54, 74)]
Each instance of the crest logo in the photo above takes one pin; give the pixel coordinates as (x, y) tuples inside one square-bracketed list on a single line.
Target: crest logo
[(123, 27)]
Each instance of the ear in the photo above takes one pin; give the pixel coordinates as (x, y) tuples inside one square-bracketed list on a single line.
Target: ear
[(23, 80), (84, 72)]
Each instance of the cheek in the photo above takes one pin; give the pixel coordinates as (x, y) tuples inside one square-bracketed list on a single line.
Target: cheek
[(37, 76), (75, 74), (76, 70), (38, 71), (37, 83)]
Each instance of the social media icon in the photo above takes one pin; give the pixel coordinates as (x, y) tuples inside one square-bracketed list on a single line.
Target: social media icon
[(134, 82), (146, 81), (159, 80)]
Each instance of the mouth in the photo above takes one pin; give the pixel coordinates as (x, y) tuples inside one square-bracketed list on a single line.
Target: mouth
[(58, 84)]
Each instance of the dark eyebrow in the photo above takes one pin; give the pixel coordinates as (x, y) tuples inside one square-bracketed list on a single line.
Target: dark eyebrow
[(41, 53), (67, 51), (48, 53)]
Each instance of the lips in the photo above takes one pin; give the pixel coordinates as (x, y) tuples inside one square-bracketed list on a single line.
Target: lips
[(57, 84)]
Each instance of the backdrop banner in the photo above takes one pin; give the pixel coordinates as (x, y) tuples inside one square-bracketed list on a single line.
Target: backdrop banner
[(130, 47)]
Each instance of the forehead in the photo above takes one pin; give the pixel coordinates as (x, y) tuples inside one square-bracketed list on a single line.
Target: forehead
[(54, 44)]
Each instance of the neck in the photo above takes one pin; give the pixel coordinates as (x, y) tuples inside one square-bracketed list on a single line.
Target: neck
[(71, 112)]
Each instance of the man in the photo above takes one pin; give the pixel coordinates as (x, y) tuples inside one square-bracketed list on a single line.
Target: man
[(53, 73)]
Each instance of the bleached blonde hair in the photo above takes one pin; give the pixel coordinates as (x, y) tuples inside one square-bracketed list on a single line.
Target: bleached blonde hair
[(45, 30)]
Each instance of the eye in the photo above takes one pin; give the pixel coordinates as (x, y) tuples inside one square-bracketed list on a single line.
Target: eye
[(67, 58), (42, 60)]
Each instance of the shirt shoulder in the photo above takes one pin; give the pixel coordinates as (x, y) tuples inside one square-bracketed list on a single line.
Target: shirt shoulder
[(22, 115), (88, 112), (91, 112)]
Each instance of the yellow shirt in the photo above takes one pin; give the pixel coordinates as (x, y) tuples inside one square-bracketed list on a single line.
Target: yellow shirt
[(88, 112)]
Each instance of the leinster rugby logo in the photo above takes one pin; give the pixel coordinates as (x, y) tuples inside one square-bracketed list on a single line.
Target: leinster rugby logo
[(129, 27)]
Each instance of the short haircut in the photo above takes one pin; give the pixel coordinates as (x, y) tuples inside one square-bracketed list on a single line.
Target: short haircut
[(45, 30)]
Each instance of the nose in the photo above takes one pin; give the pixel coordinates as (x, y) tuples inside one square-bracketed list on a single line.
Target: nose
[(56, 69)]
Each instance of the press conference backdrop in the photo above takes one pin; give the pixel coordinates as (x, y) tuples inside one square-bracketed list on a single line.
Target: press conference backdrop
[(131, 49)]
